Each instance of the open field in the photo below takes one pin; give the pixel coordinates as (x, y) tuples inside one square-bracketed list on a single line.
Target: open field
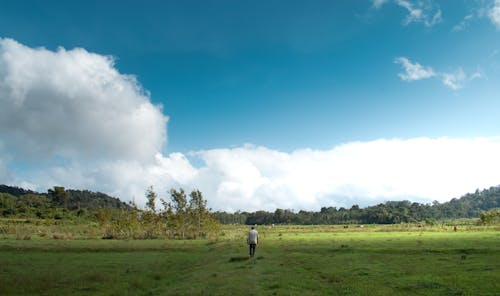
[(291, 260)]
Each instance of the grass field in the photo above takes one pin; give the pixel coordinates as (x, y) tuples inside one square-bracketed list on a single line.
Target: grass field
[(291, 260)]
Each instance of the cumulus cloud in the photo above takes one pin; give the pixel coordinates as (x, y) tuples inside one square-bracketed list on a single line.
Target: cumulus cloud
[(494, 14), (72, 103), (414, 71), (68, 117)]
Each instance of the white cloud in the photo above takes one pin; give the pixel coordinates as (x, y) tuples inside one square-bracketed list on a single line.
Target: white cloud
[(436, 19), (485, 9), (378, 3), (414, 14), (360, 172), (455, 80), (494, 14), (476, 75), (422, 11), (70, 118), (463, 24), (71, 103), (422, 169), (415, 71), (253, 178)]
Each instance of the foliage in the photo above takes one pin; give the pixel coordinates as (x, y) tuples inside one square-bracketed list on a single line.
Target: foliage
[(91, 201), (179, 218), (151, 199), (187, 216), (490, 217), (58, 203), (392, 212), (15, 191)]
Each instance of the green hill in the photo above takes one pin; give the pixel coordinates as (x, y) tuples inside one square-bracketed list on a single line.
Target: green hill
[(15, 201)]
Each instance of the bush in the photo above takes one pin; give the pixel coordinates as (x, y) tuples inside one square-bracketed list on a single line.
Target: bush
[(23, 233), (490, 217)]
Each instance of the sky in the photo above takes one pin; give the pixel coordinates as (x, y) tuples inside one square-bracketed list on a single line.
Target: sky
[(258, 104)]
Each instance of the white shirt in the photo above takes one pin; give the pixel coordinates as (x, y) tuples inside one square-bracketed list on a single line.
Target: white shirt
[(253, 236)]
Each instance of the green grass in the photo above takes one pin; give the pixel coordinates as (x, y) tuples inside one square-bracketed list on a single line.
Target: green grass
[(291, 260)]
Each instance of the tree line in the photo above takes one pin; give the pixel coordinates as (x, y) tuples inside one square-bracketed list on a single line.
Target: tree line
[(187, 216), (471, 205)]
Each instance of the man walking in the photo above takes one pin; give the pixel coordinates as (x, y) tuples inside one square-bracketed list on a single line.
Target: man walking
[(252, 240)]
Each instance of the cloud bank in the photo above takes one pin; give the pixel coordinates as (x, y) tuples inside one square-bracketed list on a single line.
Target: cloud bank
[(69, 118), (255, 178)]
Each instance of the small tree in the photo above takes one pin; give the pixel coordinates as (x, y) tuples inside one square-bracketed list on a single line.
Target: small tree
[(490, 217), (179, 205), (168, 217), (150, 218), (198, 211), (151, 197)]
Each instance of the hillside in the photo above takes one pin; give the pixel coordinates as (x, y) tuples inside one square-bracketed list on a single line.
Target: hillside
[(471, 204), (15, 191), (15, 200)]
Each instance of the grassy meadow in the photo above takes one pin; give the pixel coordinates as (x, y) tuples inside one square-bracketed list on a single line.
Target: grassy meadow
[(290, 260)]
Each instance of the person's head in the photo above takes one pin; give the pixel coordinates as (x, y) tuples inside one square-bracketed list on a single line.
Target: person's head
[(253, 227)]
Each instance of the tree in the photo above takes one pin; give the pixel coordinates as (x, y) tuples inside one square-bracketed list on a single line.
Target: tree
[(150, 219), (179, 204), (7, 204), (198, 211), (59, 195), (279, 216), (151, 197), (189, 218), (490, 217)]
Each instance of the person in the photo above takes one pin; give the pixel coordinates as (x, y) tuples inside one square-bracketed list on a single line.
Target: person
[(253, 240)]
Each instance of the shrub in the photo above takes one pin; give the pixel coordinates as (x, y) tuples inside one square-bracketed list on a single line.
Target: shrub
[(490, 217), (23, 233)]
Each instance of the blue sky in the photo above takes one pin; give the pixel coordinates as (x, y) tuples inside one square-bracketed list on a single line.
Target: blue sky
[(285, 76)]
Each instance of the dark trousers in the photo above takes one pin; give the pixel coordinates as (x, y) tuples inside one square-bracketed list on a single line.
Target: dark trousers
[(252, 249)]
